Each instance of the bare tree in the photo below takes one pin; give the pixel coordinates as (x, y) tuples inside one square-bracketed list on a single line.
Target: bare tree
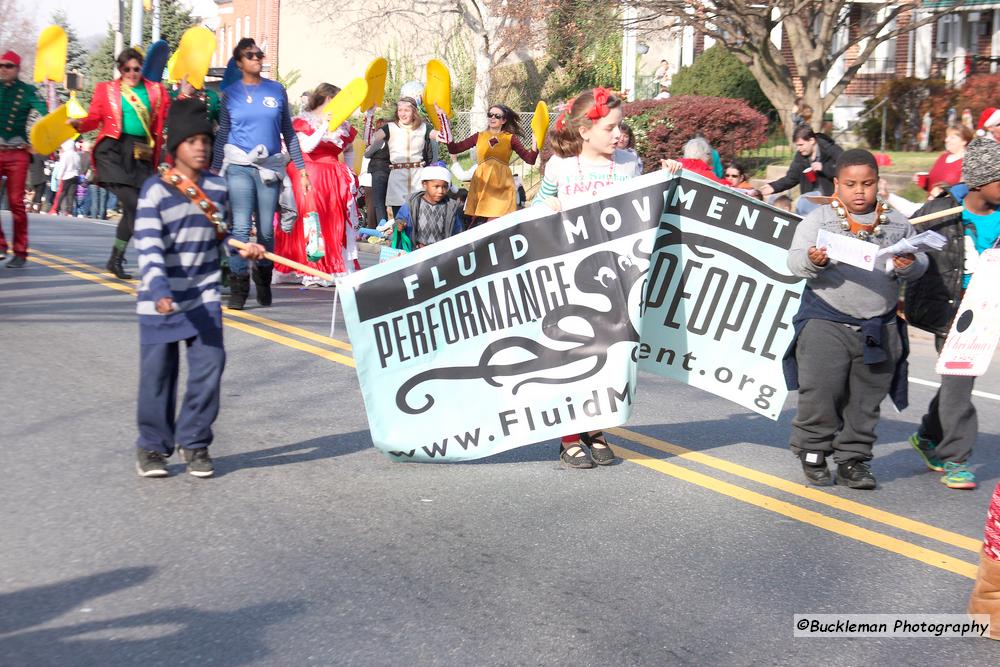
[(497, 28), (819, 33), (18, 33)]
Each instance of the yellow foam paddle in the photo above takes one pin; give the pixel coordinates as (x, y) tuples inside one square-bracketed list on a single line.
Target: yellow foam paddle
[(50, 54), (540, 124), (375, 76), (49, 133), (359, 154), (171, 66), (345, 102), (437, 91), (193, 56), (73, 107)]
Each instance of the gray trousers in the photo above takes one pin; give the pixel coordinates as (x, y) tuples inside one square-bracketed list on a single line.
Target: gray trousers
[(839, 395), (951, 421)]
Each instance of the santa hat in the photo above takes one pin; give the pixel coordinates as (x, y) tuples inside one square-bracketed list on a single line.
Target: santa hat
[(10, 56), (987, 119)]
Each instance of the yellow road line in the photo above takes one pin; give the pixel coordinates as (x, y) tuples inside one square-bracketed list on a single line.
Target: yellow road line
[(892, 544), (240, 326), (291, 342), (259, 319), (809, 493), (288, 328)]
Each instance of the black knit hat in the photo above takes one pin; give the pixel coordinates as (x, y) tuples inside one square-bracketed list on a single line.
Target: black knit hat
[(186, 118)]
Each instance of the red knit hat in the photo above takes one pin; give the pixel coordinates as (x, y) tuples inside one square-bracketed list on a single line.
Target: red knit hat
[(10, 56)]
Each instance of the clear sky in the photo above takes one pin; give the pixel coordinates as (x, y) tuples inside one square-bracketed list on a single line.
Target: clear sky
[(88, 17)]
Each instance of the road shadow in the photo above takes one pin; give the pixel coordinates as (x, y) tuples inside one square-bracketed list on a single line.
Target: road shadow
[(180, 635), (325, 447), (34, 606)]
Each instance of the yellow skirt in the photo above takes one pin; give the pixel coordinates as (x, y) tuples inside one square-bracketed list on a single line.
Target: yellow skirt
[(492, 192)]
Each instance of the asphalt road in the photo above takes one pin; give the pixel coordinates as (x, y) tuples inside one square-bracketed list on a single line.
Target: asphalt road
[(309, 547)]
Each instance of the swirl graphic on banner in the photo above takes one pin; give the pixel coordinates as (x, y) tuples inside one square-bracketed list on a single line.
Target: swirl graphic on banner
[(604, 273)]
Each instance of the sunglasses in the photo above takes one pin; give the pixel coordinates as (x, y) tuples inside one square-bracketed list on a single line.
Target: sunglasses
[(253, 55), (7, 65), (498, 116), (126, 70)]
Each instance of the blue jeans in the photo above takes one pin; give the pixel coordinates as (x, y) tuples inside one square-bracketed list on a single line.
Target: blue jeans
[(160, 427), (803, 205), (249, 195), (98, 202)]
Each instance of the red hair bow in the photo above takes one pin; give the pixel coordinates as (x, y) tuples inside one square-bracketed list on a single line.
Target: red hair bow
[(561, 120), (600, 108)]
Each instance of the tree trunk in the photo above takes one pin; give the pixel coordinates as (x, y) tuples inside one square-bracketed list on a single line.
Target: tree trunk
[(484, 81)]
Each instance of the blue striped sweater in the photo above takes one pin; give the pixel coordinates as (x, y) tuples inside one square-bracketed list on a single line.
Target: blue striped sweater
[(178, 257)]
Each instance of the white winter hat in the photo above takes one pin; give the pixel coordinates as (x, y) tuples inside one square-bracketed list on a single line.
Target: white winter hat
[(435, 173)]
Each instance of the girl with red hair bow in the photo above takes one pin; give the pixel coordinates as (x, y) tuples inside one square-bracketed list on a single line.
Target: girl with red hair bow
[(586, 160)]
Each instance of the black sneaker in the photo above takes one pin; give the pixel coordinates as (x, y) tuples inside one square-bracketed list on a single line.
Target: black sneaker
[(199, 463), (17, 262), (815, 469), (856, 475), (150, 464)]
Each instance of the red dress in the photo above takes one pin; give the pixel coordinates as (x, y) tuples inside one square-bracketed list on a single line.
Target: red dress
[(331, 196)]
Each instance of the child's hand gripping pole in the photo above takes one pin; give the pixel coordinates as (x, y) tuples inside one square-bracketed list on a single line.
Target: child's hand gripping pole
[(444, 136), (369, 131), (278, 259)]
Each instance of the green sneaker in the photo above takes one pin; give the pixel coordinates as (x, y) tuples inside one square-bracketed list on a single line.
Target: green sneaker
[(925, 448), (958, 476)]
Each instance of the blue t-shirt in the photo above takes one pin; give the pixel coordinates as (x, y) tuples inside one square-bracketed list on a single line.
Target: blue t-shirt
[(258, 121), (983, 230)]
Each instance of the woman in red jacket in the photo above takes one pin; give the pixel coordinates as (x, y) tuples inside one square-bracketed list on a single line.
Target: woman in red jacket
[(130, 114)]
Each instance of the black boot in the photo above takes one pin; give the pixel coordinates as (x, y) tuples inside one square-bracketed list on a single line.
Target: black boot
[(856, 475), (262, 279), (239, 290), (116, 264)]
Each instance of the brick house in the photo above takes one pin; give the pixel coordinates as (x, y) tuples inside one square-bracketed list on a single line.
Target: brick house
[(247, 18)]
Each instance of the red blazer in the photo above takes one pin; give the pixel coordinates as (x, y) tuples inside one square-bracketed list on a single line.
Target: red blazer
[(106, 111)]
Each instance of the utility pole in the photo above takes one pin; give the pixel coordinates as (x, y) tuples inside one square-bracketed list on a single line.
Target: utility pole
[(156, 22), (136, 36), (119, 25), (629, 53)]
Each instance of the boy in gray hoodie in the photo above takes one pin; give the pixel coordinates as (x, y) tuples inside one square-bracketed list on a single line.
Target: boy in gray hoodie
[(849, 349)]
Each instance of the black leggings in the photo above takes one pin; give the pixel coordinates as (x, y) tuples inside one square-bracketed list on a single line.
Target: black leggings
[(129, 198)]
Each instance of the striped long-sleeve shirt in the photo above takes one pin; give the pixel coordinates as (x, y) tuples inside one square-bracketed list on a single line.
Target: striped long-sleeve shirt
[(179, 258), (256, 115)]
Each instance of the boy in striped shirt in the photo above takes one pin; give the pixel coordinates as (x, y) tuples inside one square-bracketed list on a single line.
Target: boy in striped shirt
[(178, 299)]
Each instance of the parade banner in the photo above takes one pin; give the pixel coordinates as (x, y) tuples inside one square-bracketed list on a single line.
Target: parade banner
[(720, 299), (528, 328), (514, 332)]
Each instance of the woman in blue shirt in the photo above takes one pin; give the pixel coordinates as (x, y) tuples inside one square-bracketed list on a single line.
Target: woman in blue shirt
[(253, 119)]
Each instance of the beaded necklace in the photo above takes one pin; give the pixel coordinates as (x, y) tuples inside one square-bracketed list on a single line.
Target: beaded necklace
[(611, 174), (858, 229)]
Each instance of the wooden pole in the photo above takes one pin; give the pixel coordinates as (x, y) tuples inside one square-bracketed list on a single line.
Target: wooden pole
[(278, 259), (934, 216)]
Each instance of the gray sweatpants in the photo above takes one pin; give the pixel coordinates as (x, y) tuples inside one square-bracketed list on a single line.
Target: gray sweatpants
[(839, 395), (951, 421)]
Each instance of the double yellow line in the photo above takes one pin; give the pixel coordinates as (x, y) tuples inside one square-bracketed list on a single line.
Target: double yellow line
[(308, 341), (237, 319)]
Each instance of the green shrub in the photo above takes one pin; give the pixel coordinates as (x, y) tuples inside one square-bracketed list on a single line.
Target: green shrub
[(718, 73)]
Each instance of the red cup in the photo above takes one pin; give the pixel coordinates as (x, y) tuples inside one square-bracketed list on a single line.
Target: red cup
[(923, 179), (810, 175)]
